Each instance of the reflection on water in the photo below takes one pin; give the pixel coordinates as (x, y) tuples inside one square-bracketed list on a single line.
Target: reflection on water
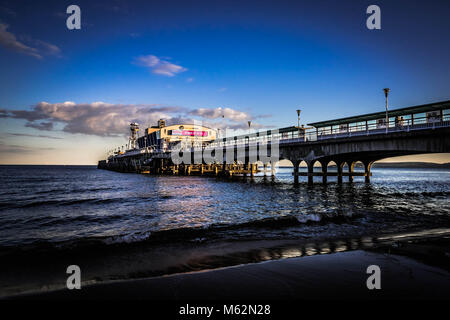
[(78, 203)]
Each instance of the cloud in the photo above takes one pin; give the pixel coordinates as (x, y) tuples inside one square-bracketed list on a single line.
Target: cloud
[(13, 148), (97, 118), (9, 41), (41, 48), (34, 136), (159, 66), (105, 119), (9, 148), (48, 48), (189, 80), (40, 125), (216, 113)]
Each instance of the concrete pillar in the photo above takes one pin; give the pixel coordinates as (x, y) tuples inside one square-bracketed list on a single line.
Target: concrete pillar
[(339, 171), (296, 164), (310, 172), (351, 166), (272, 168), (324, 171), (367, 167)]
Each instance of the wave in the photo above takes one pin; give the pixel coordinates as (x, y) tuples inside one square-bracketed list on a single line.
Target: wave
[(68, 202), (173, 235), (409, 195)]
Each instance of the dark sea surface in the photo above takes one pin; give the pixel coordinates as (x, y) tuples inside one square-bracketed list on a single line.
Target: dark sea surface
[(121, 226), (61, 204)]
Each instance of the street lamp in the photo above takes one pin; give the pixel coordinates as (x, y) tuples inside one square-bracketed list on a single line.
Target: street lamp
[(298, 121), (386, 93)]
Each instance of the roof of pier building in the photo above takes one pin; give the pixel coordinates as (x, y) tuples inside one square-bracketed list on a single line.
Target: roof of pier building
[(382, 114)]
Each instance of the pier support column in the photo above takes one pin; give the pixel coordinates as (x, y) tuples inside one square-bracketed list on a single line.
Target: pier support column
[(272, 169), (265, 169), (367, 167), (296, 164), (324, 171), (351, 166), (310, 172), (339, 172)]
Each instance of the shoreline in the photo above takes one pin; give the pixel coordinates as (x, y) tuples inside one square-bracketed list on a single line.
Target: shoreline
[(338, 276), (410, 269)]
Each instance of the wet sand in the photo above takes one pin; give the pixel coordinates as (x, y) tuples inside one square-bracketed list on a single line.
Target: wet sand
[(337, 276)]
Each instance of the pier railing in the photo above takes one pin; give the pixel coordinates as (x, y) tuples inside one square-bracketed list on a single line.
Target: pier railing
[(319, 134), (315, 134)]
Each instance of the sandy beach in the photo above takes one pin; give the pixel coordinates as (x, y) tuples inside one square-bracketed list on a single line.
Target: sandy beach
[(338, 276)]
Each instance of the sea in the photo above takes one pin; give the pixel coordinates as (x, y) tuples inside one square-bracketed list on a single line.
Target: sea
[(125, 225)]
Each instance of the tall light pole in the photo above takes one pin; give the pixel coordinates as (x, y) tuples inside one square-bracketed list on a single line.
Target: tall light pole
[(298, 121), (386, 93)]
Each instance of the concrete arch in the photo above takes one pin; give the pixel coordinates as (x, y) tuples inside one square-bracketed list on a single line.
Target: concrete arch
[(358, 168), (332, 166)]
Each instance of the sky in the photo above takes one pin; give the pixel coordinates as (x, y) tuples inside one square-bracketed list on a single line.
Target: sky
[(68, 96)]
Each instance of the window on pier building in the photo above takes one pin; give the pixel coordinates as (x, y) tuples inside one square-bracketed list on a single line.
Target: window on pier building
[(361, 126), (372, 124), (324, 130), (446, 115), (353, 127), (419, 118), (434, 116), (406, 120), (335, 129), (343, 127)]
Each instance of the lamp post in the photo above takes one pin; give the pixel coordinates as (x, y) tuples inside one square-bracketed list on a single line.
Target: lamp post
[(386, 93), (298, 121)]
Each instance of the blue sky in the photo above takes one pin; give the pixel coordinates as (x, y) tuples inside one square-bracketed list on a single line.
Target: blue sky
[(182, 59)]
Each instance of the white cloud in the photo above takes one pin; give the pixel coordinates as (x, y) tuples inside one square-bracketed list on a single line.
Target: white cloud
[(105, 119), (226, 113), (159, 66)]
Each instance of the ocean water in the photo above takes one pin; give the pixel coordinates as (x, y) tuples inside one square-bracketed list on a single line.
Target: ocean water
[(118, 226), (57, 206)]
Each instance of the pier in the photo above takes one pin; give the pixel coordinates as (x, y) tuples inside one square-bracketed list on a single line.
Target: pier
[(339, 143)]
